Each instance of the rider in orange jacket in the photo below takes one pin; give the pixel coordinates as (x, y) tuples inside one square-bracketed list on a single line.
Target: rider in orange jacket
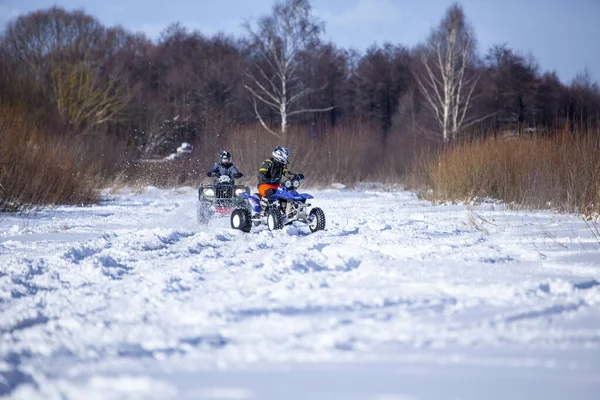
[(272, 170)]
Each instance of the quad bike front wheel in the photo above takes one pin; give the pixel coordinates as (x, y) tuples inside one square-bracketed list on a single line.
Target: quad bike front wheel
[(241, 219), (317, 220), (274, 219)]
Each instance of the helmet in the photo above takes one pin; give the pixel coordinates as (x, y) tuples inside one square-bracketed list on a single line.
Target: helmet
[(225, 157), (281, 154)]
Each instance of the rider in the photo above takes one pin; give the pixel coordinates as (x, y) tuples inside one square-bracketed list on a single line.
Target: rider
[(272, 170), (224, 171)]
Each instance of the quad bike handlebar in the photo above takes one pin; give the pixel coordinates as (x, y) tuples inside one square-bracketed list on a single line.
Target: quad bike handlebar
[(224, 179)]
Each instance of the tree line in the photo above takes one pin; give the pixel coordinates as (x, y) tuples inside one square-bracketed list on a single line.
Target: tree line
[(74, 76)]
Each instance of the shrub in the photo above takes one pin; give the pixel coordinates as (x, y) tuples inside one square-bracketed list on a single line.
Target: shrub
[(35, 171), (560, 172)]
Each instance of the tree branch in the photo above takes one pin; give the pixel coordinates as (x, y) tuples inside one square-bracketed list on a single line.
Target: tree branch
[(263, 122), (256, 95), (276, 100), (305, 92), (311, 110)]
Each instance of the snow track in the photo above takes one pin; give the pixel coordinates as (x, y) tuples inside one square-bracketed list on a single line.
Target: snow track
[(396, 299)]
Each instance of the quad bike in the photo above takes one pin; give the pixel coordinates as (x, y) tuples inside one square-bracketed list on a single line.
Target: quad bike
[(220, 198), (282, 208)]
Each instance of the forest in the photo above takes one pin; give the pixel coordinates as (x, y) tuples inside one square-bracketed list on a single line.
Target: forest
[(85, 106)]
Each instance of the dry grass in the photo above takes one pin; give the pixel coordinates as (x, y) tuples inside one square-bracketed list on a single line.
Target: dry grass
[(99, 156), (35, 171), (345, 154), (562, 172)]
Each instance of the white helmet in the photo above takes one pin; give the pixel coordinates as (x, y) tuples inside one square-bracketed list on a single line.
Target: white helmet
[(281, 154)]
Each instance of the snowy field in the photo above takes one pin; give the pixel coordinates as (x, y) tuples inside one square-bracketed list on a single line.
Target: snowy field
[(396, 300)]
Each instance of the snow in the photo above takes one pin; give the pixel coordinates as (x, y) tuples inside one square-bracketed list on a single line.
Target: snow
[(396, 299)]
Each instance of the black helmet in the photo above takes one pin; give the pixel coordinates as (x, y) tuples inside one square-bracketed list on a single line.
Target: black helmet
[(225, 157), (281, 154)]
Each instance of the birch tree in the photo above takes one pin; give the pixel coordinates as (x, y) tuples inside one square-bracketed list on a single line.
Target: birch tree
[(448, 80), (277, 42)]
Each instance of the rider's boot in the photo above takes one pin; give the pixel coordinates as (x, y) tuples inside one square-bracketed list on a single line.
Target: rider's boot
[(263, 205)]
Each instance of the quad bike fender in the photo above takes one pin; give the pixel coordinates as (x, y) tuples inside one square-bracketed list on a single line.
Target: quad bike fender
[(285, 194), (253, 202)]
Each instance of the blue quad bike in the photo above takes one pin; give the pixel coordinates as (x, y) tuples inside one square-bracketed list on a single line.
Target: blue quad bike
[(282, 208)]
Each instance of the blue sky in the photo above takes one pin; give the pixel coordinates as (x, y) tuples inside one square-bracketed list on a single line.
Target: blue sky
[(563, 35)]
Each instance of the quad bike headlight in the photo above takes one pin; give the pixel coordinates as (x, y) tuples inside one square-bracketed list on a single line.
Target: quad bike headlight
[(288, 184), (209, 192), (238, 192), (296, 184)]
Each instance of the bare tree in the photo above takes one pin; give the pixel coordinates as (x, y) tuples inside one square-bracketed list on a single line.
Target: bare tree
[(33, 37), (383, 76), (67, 56), (448, 81), (513, 81), (584, 101), (81, 99), (277, 42)]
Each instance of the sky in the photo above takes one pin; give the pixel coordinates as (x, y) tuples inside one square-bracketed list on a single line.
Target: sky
[(562, 35)]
